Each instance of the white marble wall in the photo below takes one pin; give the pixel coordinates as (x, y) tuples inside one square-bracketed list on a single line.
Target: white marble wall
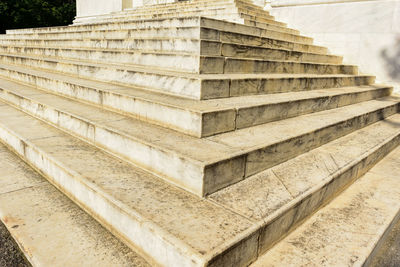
[(365, 32), (87, 9)]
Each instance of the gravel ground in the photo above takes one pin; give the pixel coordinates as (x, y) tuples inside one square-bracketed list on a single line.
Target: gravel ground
[(10, 255)]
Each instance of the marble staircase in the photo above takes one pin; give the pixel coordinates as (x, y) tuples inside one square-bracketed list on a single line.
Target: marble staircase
[(200, 133)]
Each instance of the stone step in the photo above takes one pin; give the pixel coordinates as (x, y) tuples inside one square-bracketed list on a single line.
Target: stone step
[(349, 230), (172, 226), (194, 86), (189, 162), (272, 32), (183, 62), (281, 198), (152, 38), (50, 228)]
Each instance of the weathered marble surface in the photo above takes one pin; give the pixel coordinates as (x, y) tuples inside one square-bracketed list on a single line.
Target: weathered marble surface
[(90, 8), (366, 33), (50, 228)]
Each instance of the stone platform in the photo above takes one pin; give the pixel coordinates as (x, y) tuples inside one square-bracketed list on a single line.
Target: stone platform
[(200, 133)]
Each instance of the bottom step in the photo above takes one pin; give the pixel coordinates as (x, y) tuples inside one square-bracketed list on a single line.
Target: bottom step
[(49, 228), (350, 229)]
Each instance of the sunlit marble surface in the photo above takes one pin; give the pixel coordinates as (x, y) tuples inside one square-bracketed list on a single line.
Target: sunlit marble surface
[(366, 33)]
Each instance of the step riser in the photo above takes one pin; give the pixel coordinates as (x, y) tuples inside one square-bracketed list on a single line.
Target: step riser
[(243, 51), (288, 221), (133, 229), (192, 88), (268, 157)]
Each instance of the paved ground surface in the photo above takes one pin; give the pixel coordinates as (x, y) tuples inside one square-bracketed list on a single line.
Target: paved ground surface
[(388, 255), (10, 255)]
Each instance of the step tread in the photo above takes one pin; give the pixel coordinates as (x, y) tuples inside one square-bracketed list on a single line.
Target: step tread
[(45, 222), (348, 229)]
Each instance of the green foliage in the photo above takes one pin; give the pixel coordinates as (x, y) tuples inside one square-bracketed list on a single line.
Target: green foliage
[(16, 14)]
